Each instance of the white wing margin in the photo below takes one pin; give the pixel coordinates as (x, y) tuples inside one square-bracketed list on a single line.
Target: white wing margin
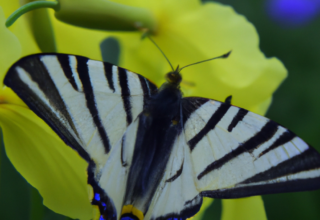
[(236, 153), (88, 103)]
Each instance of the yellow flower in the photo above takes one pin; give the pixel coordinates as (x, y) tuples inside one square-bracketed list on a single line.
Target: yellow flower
[(187, 31)]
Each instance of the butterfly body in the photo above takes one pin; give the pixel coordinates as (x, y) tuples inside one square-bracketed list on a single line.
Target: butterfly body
[(151, 153)]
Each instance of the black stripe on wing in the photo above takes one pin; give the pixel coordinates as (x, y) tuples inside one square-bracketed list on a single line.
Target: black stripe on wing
[(284, 138), (152, 87), (125, 93), (191, 208), (262, 189), (213, 121), (101, 199), (123, 162), (190, 105), (265, 134), (108, 72), (83, 72), (177, 174), (148, 89), (239, 116), (306, 161), (40, 76), (64, 61)]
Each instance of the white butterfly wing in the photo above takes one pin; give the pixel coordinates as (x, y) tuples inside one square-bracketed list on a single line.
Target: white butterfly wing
[(229, 152), (177, 194), (88, 103), (236, 153), (114, 174)]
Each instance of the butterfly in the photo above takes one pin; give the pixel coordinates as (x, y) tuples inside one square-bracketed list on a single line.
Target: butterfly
[(152, 153)]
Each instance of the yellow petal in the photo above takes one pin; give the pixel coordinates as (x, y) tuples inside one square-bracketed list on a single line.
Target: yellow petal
[(21, 29), (209, 30), (11, 51), (9, 46), (205, 205), (261, 107), (46, 162), (142, 57), (243, 209)]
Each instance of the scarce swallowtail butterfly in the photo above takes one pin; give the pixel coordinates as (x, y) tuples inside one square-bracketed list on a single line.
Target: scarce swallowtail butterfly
[(153, 154)]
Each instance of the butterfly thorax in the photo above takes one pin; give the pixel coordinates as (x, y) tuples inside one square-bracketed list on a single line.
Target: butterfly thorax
[(165, 102)]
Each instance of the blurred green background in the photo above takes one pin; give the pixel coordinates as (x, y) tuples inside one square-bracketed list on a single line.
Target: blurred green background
[(296, 105)]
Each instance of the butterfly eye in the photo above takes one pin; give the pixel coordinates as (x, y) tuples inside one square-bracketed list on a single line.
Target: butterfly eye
[(169, 77), (174, 78)]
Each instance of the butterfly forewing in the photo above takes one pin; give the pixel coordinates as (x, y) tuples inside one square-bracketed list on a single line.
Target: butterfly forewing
[(83, 100), (202, 147), (246, 154)]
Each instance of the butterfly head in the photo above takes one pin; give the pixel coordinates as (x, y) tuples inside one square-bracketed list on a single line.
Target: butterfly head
[(174, 77)]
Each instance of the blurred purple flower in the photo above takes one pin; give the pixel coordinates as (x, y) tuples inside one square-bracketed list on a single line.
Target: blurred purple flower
[(292, 13)]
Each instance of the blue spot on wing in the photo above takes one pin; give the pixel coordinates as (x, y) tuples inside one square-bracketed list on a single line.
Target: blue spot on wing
[(127, 218), (104, 205), (97, 196), (175, 219)]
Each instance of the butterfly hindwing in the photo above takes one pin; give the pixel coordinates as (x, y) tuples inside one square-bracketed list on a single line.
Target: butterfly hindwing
[(114, 174)]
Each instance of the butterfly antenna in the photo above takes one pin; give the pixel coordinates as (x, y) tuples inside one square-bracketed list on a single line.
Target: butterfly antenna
[(161, 52), (219, 57)]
